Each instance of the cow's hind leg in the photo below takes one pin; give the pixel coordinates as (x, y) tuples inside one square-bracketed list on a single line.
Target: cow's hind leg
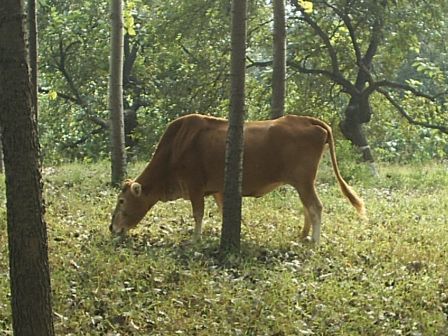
[(312, 209), (307, 224)]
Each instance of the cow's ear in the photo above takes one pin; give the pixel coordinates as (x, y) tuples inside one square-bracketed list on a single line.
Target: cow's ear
[(136, 189), (126, 185)]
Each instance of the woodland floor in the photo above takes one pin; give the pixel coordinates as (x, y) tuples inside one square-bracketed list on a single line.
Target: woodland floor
[(384, 276)]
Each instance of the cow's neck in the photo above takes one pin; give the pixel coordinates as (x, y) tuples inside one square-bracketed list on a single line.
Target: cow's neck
[(153, 178)]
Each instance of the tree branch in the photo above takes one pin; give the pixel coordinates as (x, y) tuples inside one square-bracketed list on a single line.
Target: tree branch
[(402, 111), (351, 30), (337, 78), (189, 53), (62, 68), (260, 64), (323, 36), (59, 94), (83, 139), (376, 86), (130, 55), (348, 87), (335, 74), (365, 64)]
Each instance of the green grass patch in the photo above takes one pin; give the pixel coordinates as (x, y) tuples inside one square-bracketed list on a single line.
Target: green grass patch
[(384, 276)]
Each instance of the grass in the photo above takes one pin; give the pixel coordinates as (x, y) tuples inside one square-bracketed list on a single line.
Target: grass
[(385, 276)]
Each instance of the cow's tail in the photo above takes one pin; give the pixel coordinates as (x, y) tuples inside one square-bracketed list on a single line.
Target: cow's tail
[(348, 192)]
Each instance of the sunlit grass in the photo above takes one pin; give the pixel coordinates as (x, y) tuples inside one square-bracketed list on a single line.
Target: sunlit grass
[(384, 276)]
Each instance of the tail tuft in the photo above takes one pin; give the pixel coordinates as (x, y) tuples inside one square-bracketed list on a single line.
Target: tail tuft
[(348, 192)]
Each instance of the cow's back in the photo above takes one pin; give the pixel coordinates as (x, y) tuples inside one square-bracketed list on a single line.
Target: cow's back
[(275, 152)]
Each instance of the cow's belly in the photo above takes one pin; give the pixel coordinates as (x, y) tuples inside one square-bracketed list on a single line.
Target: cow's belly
[(256, 183), (260, 190)]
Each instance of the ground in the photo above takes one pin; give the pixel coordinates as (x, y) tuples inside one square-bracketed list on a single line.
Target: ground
[(384, 276)]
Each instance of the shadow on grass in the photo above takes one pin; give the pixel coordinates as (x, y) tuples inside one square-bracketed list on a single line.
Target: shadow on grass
[(208, 254)]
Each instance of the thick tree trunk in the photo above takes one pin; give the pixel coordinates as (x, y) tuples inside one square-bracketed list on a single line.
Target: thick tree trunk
[(357, 113), (33, 46), (279, 60), (27, 235), (231, 226), (1, 154), (118, 152)]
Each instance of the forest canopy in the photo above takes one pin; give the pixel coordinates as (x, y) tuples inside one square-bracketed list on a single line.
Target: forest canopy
[(177, 57)]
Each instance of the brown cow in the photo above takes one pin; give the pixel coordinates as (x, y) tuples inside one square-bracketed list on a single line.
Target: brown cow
[(189, 163)]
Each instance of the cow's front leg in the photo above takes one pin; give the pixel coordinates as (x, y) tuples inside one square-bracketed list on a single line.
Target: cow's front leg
[(219, 199), (197, 204)]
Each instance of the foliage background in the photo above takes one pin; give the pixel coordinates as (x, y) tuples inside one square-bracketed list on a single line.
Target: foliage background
[(182, 66)]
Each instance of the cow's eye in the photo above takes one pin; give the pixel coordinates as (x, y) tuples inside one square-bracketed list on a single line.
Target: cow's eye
[(121, 201)]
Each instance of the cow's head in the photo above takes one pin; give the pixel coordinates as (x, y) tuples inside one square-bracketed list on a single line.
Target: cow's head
[(131, 207)]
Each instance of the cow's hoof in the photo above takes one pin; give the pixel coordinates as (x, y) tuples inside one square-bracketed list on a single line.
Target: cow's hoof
[(309, 241), (306, 239)]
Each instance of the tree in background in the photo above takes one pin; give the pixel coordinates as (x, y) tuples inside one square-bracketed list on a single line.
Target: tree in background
[(118, 151), (231, 224), (365, 27), (27, 235), (279, 60), (191, 72), (189, 44)]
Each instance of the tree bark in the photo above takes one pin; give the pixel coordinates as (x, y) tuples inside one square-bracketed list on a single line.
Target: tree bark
[(33, 47), (358, 111), (27, 235), (279, 60), (356, 114), (118, 152), (1, 154), (231, 226)]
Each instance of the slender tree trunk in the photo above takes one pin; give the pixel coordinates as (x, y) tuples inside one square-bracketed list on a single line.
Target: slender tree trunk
[(130, 124), (27, 235), (130, 109), (118, 152), (279, 61), (231, 226)]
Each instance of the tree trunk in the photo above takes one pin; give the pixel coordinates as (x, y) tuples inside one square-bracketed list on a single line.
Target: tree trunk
[(231, 226), (358, 111), (279, 60), (118, 152), (356, 114), (130, 124), (27, 235), (1, 154), (351, 127), (130, 110), (33, 45)]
